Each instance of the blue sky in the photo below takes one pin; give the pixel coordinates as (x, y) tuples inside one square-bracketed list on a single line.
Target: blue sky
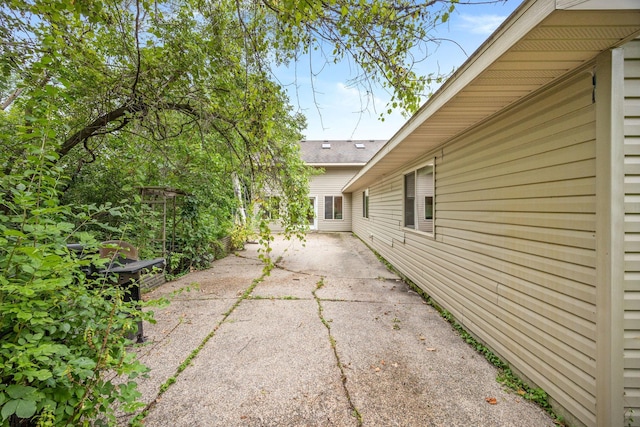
[(332, 105)]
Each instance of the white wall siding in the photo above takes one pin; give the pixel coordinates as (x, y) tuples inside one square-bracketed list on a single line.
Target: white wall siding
[(513, 253), (632, 233), (330, 183)]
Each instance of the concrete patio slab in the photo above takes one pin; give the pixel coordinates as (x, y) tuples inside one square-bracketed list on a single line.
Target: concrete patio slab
[(330, 338), (405, 366), (198, 302), (330, 254), (270, 364), (286, 284)]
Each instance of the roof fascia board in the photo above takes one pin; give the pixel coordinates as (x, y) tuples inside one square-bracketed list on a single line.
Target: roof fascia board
[(526, 17), (596, 4)]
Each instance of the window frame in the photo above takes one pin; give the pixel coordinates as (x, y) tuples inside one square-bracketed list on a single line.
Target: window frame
[(409, 199), (365, 204), (333, 208), (419, 200)]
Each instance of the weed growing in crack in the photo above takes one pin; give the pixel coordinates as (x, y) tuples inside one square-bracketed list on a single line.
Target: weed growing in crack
[(332, 341), (354, 411), (628, 414), (138, 420), (396, 323), (357, 415)]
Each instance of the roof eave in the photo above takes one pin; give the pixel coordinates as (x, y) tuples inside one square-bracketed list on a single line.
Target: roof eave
[(426, 131), (324, 165)]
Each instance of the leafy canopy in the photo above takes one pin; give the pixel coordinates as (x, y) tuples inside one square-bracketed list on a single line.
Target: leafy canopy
[(99, 97)]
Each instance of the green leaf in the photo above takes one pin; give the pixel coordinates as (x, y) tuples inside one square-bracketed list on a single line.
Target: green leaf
[(13, 233), (40, 375), (9, 409), (25, 408), (16, 391), (22, 408)]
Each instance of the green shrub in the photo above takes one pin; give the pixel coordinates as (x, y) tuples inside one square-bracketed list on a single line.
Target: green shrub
[(60, 331)]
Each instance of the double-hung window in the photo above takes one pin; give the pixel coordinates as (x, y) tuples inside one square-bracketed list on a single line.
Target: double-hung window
[(419, 199), (332, 207)]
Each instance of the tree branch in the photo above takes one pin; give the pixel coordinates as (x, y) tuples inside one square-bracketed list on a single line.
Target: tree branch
[(16, 93), (96, 126), (123, 115), (138, 60)]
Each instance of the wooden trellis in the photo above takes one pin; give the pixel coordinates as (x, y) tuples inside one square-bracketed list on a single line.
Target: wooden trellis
[(163, 200)]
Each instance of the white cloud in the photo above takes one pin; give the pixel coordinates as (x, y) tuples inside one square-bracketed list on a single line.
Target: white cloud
[(335, 110), (356, 99), (481, 24), (347, 112)]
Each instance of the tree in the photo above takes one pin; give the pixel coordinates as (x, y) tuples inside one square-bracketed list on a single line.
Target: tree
[(101, 96), (125, 62), (151, 74), (161, 69)]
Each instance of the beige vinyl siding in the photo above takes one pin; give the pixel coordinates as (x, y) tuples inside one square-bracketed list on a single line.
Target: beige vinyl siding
[(513, 253), (330, 183), (632, 232)]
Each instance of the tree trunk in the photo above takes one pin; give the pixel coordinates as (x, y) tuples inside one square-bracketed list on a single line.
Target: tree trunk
[(237, 189)]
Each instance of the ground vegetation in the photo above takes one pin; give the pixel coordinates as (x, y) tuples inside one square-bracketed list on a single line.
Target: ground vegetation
[(99, 98)]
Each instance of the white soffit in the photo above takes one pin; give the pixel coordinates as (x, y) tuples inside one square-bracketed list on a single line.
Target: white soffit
[(535, 46)]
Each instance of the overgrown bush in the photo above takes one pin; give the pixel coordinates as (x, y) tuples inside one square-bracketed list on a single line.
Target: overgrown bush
[(63, 335), (199, 233)]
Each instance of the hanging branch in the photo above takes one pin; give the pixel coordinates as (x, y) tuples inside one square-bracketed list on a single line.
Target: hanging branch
[(122, 116)]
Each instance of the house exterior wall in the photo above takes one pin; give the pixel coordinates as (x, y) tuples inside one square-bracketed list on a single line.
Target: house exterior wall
[(513, 254), (330, 183), (632, 231)]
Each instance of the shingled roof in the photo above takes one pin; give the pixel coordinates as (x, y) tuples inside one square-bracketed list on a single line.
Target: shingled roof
[(339, 152)]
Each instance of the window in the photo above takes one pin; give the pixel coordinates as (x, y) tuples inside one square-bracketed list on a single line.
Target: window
[(419, 199), (365, 203), (428, 207), (332, 207), (409, 200)]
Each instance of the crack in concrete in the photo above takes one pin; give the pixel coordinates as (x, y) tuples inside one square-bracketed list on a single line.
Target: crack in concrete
[(139, 419), (343, 377), (304, 273)]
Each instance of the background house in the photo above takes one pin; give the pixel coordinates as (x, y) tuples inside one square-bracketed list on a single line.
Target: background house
[(337, 161), (527, 165)]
